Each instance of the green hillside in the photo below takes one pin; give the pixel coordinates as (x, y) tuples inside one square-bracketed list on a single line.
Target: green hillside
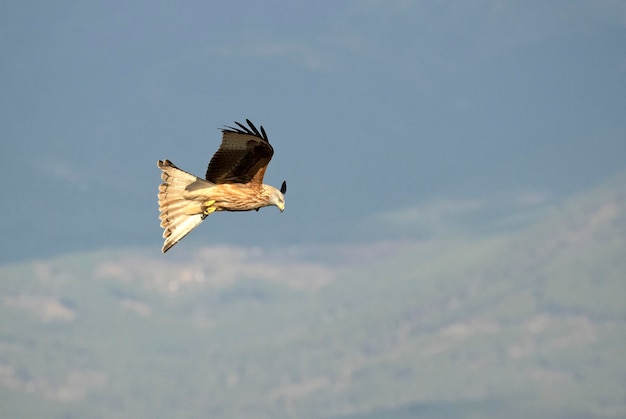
[(527, 323)]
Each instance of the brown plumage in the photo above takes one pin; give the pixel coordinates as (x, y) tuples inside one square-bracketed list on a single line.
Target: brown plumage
[(233, 182)]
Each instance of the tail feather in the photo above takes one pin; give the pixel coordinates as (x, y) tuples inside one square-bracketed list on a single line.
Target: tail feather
[(181, 207), (179, 212)]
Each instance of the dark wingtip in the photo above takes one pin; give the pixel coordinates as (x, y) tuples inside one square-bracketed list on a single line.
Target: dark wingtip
[(251, 130), (256, 131), (244, 128), (264, 134), (283, 187)]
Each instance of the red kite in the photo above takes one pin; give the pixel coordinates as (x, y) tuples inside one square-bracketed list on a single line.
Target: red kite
[(233, 182)]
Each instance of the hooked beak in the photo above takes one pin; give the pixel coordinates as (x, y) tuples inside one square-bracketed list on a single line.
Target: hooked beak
[(281, 207)]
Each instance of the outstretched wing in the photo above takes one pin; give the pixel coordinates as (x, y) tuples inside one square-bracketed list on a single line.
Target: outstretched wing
[(242, 157)]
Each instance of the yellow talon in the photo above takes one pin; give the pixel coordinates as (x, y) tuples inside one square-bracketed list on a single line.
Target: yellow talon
[(208, 208)]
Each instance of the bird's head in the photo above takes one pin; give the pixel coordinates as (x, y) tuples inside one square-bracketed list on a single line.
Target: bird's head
[(280, 203), (274, 197), (279, 196)]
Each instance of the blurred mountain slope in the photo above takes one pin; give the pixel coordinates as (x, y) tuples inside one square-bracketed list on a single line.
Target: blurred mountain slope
[(530, 322)]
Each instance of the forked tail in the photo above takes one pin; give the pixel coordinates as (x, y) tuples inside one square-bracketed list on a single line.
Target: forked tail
[(180, 212)]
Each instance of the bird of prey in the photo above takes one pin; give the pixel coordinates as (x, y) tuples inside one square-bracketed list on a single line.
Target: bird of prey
[(233, 182)]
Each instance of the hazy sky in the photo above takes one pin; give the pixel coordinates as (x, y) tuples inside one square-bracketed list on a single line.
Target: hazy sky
[(375, 109)]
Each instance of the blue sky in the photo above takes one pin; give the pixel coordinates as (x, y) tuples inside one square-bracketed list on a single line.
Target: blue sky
[(375, 109)]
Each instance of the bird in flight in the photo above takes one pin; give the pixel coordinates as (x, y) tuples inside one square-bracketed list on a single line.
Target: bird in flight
[(233, 182)]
